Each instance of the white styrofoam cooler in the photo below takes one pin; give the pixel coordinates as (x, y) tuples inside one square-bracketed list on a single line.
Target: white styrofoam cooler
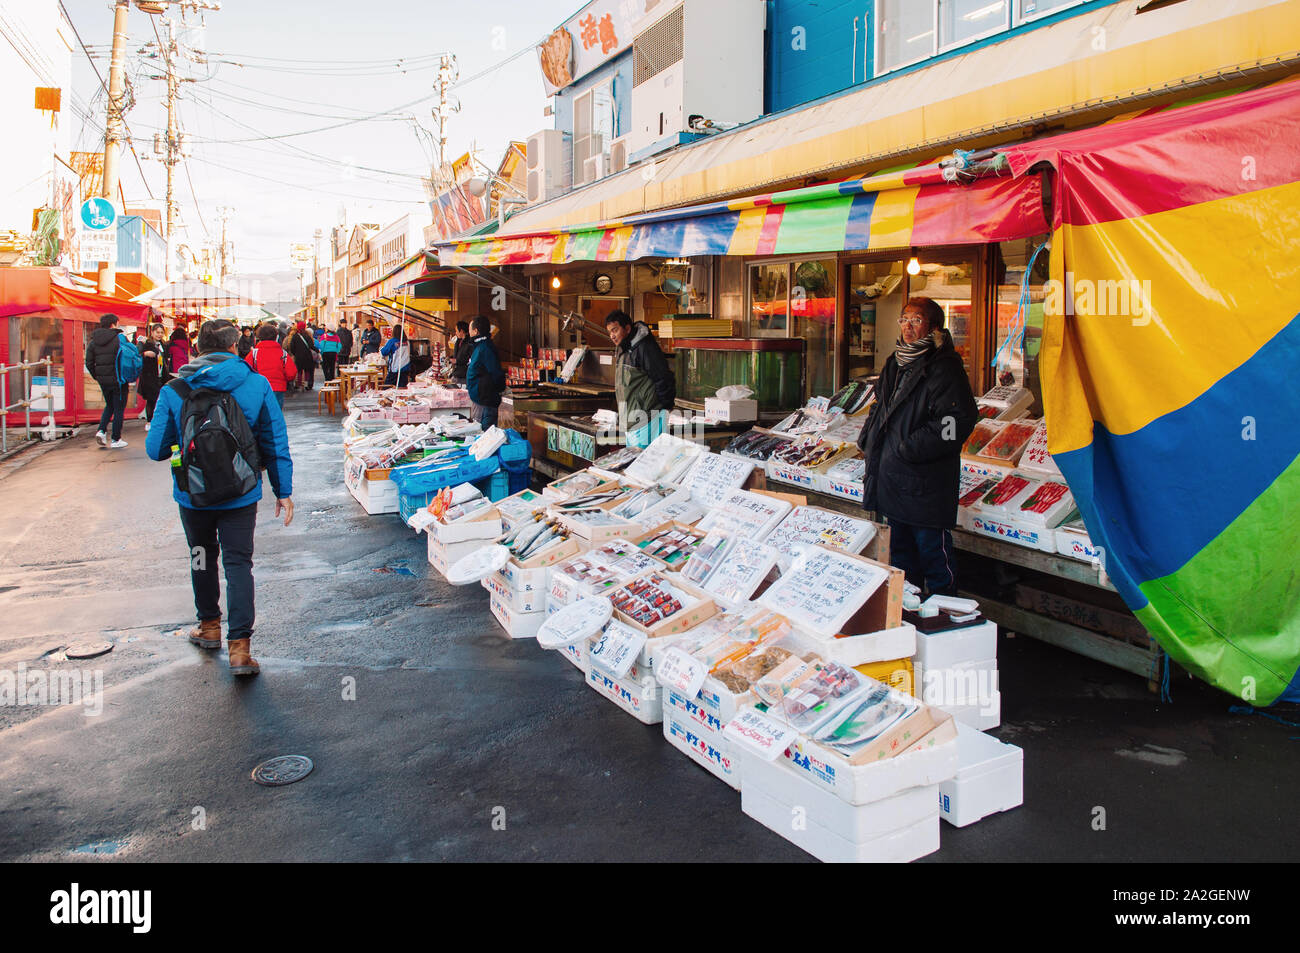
[(640, 698), (982, 715), (950, 648), (865, 783), (990, 778), (708, 749)]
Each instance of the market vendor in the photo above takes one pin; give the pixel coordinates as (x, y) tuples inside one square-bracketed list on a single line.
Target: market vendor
[(644, 384), (463, 347), (912, 445)]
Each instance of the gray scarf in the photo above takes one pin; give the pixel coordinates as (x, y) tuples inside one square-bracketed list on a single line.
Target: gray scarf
[(907, 353)]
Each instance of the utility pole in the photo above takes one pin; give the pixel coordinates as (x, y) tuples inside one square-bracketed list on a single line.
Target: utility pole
[(224, 211), (113, 129), (173, 150), (448, 73)]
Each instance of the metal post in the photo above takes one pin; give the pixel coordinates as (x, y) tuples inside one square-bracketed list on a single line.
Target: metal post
[(4, 410), (27, 400)]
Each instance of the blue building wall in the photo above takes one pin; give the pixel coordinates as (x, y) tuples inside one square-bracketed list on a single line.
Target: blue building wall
[(620, 67), (140, 248), (811, 49)]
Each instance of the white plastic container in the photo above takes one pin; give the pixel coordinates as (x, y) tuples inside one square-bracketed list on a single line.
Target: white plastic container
[(955, 646), (990, 779), (865, 783), (641, 698), (710, 751), (982, 715)]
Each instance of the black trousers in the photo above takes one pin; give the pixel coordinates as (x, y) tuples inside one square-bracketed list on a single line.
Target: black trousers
[(114, 407), (327, 365), (228, 534), (925, 555)]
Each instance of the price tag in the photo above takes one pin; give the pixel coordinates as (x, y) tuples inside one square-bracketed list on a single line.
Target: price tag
[(681, 672), (615, 649), (575, 622), (759, 734)]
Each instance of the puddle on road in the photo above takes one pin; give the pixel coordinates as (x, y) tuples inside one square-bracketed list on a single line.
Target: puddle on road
[(395, 569), (1155, 754), (101, 847)]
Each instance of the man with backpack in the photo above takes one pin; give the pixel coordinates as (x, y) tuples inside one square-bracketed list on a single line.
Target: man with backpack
[(113, 361), (226, 426)]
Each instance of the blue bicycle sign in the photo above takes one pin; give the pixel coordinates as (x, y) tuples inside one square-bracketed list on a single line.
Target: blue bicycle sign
[(98, 214)]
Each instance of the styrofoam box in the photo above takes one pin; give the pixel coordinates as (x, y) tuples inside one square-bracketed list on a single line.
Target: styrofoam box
[(709, 750), (1014, 531), (518, 625), (444, 555), (524, 581), (784, 784), (691, 712), (864, 783), (983, 715), (796, 476), (731, 411), (719, 701), (990, 778), (950, 648), (985, 468), (1077, 544), (520, 600), (845, 489), (642, 699), (882, 646), (469, 528), (964, 683), (898, 847), (577, 654), (376, 496)]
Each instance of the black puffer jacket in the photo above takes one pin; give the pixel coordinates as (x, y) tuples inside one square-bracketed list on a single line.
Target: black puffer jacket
[(912, 440), (101, 355), (464, 348)]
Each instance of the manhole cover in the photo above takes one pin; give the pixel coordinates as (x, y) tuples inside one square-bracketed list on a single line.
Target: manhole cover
[(285, 769), (89, 649)]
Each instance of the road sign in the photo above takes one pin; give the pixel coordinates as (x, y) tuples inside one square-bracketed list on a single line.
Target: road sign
[(99, 215)]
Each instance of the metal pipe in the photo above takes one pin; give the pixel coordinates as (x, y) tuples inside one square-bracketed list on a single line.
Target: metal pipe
[(4, 410), (27, 401), (49, 390)]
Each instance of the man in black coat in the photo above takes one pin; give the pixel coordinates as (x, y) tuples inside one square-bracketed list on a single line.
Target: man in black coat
[(371, 339), (101, 364), (345, 343), (460, 356), (912, 445)]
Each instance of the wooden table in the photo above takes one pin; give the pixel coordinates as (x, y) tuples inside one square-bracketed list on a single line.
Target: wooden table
[(354, 380)]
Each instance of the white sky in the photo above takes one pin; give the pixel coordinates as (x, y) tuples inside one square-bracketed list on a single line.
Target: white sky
[(279, 194)]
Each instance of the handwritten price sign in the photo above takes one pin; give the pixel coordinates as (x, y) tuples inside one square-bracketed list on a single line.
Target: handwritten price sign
[(683, 673), (759, 734)]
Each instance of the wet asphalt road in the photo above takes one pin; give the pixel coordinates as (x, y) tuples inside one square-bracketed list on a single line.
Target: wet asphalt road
[(454, 725)]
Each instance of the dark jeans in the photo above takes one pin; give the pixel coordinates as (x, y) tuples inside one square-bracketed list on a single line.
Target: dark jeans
[(149, 404), (925, 555), (398, 378), (279, 398), (228, 533), (307, 376), (114, 407), (486, 416), (327, 365)]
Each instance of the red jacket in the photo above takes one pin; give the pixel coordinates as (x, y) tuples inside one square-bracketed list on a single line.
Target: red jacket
[(269, 359)]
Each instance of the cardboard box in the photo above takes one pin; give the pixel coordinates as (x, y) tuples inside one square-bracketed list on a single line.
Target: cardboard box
[(857, 823), (664, 527), (883, 609), (684, 619), (641, 699), (990, 779), (730, 411), (898, 847), (712, 752), (518, 625), (923, 763)]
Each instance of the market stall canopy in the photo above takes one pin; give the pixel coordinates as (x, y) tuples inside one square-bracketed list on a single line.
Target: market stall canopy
[(1168, 366), (891, 210), (189, 295), (35, 291)]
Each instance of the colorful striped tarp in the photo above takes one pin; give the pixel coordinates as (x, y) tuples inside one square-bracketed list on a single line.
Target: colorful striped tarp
[(1169, 369), (901, 209)]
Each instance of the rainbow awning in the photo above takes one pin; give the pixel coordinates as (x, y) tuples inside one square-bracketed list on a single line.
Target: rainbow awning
[(893, 210), (1169, 373)]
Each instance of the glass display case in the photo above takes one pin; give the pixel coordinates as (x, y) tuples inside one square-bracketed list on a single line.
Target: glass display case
[(772, 367)]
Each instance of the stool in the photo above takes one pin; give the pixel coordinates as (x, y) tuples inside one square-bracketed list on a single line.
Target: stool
[(329, 393)]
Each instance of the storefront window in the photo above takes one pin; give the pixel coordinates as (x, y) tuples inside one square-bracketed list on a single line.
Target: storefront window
[(906, 33), (812, 307), (949, 283), (1021, 362), (1030, 9), (768, 294), (961, 21), (41, 338), (876, 292)]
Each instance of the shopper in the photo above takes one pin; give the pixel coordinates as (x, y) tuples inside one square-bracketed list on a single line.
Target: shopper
[(644, 385), (153, 373), (218, 393), (371, 340), (102, 365), (912, 445), (484, 377), (345, 343), (329, 345), (460, 356), (301, 348), (273, 362), (178, 350), (246, 341), (398, 352)]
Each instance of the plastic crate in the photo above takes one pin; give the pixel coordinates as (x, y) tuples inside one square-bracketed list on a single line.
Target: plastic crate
[(408, 504), (495, 487), (516, 451), (520, 480), (416, 480)]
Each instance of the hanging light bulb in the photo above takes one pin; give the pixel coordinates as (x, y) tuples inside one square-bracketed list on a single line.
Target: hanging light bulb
[(913, 266), (555, 282)]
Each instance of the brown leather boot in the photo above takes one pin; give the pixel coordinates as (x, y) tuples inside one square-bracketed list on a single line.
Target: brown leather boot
[(207, 634), (241, 662)]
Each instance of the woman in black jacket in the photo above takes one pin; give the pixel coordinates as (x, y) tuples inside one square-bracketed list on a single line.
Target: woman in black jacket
[(912, 444), (154, 373)]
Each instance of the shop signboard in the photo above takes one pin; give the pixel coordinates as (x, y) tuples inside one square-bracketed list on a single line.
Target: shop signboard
[(98, 233), (594, 35)]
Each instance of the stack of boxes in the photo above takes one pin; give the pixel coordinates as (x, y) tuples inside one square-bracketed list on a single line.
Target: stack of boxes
[(956, 668)]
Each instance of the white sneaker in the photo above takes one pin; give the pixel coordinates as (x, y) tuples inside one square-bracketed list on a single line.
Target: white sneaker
[(146, 426), (118, 444), (100, 437)]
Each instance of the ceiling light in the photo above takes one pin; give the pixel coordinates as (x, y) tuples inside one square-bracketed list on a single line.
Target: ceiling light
[(555, 282), (913, 267)]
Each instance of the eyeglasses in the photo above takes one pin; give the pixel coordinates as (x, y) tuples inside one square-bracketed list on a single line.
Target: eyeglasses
[(909, 318)]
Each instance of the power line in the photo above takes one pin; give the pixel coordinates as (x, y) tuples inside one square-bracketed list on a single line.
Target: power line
[(299, 185)]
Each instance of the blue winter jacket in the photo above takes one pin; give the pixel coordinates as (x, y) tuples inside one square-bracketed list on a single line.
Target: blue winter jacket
[(388, 349), (485, 380), (220, 370)]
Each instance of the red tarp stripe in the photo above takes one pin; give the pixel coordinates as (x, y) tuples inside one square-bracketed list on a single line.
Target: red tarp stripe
[(988, 210)]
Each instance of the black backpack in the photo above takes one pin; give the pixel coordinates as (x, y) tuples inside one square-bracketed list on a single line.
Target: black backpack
[(220, 459)]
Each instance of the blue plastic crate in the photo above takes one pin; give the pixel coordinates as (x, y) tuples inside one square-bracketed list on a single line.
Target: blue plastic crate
[(495, 487), (515, 451), (410, 503), (519, 480)]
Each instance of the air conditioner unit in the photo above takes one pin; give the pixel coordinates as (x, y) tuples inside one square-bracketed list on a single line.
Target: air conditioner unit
[(618, 154), (594, 168), (702, 57), (550, 165)]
